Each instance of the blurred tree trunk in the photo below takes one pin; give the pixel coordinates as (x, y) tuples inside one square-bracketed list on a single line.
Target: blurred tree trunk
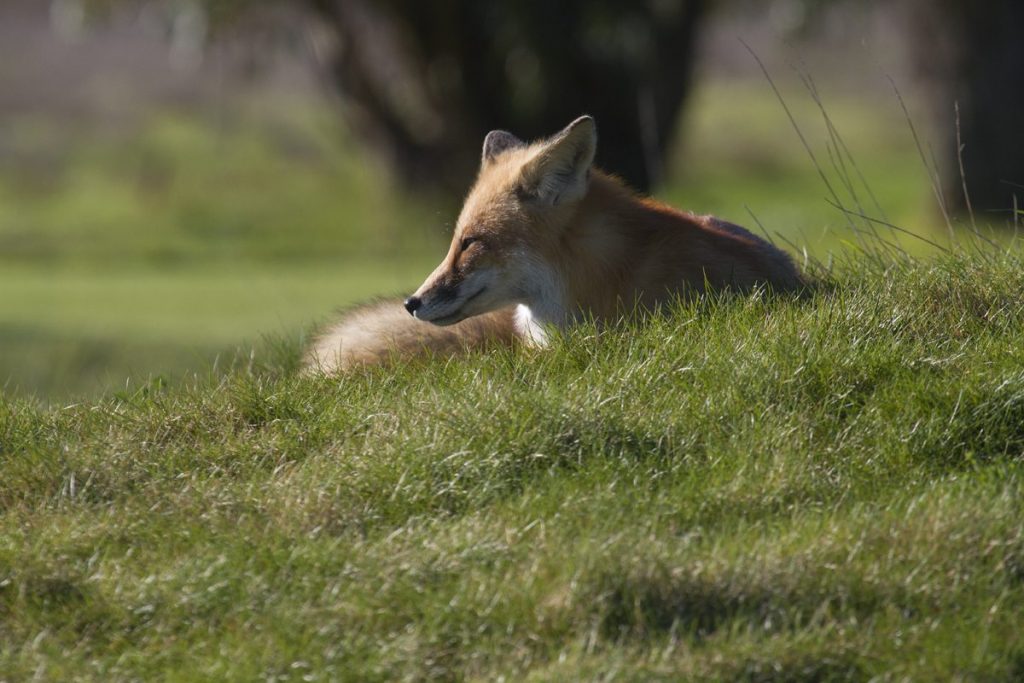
[(423, 82), (976, 55)]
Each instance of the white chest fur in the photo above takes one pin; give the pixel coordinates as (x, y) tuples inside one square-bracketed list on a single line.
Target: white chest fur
[(529, 327)]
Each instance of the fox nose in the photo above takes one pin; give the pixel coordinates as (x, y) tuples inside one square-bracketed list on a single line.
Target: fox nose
[(412, 303)]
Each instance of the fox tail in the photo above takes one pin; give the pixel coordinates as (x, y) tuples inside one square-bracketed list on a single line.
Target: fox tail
[(382, 332)]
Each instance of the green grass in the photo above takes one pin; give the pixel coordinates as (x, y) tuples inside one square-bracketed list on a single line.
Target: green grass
[(88, 330), (158, 250), (750, 489), (249, 185), (762, 490)]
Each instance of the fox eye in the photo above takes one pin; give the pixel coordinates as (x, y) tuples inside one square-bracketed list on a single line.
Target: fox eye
[(466, 242)]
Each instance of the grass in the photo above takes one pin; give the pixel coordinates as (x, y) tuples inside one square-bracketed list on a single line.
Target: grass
[(750, 489), (755, 489), (88, 330), (157, 250), (741, 157)]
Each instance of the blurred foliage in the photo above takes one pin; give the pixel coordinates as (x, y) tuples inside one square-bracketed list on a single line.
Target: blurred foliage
[(219, 13), (281, 186), (422, 83), (163, 246)]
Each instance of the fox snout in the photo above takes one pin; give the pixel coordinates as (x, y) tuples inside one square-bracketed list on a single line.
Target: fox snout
[(431, 300), (443, 301)]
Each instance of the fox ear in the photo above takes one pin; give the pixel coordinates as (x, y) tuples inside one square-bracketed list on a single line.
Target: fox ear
[(561, 169), (496, 142)]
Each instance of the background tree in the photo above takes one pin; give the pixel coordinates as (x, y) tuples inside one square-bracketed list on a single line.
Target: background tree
[(971, 57), (424, 81), (421, 83), (973, 53)]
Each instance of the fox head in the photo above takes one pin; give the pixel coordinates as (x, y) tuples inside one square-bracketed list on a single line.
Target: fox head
[(508, 232)]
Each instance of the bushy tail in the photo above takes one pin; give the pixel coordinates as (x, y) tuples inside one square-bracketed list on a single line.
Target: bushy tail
[(382, 331)]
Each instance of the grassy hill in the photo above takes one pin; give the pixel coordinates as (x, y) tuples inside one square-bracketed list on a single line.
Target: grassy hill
[(752, 489), (814, 489)]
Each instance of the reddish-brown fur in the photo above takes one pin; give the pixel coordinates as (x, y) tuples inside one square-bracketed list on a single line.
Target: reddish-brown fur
[(620, 248)]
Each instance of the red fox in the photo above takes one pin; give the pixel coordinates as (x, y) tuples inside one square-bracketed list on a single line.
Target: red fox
[(545, 239)]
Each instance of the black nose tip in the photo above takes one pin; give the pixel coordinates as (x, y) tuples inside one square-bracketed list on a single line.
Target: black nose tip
[(412, 303)]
